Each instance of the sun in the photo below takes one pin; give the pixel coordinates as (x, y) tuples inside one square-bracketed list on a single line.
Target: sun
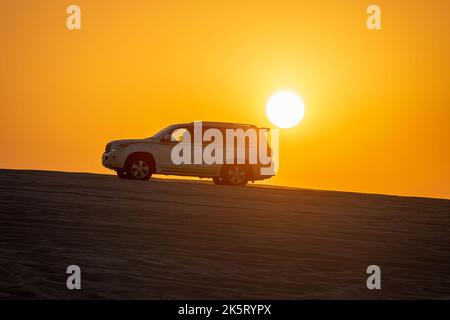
[(285, 109)]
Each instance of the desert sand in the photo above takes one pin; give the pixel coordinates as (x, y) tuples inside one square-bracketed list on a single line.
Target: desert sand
[(170, 239)]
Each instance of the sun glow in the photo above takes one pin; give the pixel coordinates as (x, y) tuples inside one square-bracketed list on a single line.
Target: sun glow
[(285, 109)]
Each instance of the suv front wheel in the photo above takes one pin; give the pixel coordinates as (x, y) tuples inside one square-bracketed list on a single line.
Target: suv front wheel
[(122, 174), (139, 167)]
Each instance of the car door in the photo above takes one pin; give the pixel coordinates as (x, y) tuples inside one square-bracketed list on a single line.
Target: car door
[(167, 143), (210, 170)]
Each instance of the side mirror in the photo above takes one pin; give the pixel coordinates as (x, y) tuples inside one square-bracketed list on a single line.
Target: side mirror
[(167, 138)]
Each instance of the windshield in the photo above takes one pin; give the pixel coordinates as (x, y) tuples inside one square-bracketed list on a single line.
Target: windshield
[(159, 133)]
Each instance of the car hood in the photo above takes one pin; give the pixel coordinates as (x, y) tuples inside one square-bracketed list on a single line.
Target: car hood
[(126, 142)]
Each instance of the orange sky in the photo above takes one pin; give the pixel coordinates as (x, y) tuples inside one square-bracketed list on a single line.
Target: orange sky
[(377, 103)]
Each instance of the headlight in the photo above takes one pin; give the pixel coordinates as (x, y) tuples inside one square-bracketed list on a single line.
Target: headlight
[(117, 147), (108, 147)]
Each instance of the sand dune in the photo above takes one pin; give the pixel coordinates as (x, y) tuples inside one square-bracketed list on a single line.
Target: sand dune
[(182, 239)]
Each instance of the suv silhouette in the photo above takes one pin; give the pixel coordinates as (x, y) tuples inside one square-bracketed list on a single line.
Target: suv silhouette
[(139, 158)]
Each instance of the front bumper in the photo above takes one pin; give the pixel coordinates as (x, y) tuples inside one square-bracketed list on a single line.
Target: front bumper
[(112, 160)]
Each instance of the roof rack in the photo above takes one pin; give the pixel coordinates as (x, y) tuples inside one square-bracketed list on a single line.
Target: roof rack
[(223, 124)]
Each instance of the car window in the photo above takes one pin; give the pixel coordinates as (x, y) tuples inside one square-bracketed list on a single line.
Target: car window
[(220, 141), (178, 134)]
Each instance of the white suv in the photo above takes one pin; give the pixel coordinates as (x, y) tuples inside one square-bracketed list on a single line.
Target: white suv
[(139, 158)]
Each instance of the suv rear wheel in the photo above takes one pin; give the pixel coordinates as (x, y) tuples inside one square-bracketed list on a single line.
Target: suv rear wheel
[(236, 175)]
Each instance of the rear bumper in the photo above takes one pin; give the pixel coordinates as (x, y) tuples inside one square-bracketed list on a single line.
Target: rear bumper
[(259, 174)]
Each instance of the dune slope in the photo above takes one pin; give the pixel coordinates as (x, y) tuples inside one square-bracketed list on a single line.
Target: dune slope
[(166, 239)]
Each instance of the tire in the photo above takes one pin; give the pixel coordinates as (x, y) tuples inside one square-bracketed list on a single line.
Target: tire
[(218, 180), (122, 174), (235, 175), (139, 167)]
